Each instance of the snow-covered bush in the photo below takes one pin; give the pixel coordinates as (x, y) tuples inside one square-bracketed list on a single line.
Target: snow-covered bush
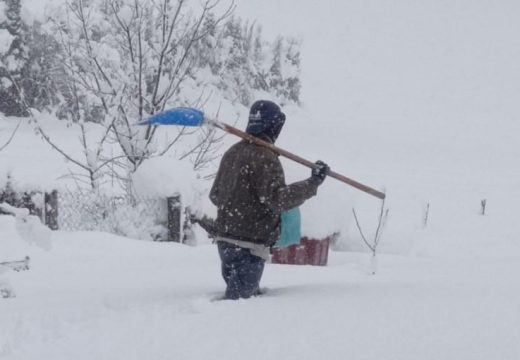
[(28, 229)]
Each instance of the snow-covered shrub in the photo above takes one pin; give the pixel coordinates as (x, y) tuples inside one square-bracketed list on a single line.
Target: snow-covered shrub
[(146, 220), (26, 230), (29, 227)]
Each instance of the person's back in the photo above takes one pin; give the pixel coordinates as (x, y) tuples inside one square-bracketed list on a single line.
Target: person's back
[(250, 194)]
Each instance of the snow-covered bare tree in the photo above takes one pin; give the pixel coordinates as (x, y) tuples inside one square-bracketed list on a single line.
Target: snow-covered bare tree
[(115, 62), (125, 60)]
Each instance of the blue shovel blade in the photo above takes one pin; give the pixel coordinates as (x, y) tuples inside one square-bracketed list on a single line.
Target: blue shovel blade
[(182, 116)]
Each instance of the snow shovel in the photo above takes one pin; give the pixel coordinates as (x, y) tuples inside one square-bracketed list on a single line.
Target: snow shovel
[(184, 116)]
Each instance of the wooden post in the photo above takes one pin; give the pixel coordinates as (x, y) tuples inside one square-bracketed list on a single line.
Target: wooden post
[(174, 218), (51, 210), (426, 215)]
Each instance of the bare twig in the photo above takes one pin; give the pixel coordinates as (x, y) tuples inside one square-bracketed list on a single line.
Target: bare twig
[(372, 245), (426, 215), (381, 223), (11, 137), (369, 245)]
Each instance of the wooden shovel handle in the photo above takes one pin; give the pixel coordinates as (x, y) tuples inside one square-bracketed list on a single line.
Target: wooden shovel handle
[(232, 130)]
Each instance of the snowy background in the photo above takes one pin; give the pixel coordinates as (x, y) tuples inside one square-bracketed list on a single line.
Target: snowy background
[(417, 98)]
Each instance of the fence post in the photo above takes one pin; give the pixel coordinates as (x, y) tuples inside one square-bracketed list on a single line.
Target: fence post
[(51, 209), (174, 218)]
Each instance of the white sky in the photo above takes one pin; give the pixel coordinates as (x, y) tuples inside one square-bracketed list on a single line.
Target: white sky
[(434, 59)]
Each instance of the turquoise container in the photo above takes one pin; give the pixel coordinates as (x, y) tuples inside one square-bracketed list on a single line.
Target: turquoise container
[(291, 229)]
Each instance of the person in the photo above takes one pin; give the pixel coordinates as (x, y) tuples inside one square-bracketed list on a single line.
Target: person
[(250, 194)]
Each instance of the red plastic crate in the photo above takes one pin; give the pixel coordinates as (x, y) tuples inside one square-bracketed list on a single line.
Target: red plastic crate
[(308, 252)]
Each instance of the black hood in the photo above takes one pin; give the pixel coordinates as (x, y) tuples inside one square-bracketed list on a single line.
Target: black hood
[(265, 118)]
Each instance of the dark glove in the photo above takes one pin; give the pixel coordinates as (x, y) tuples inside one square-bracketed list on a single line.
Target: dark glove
[(319, 172)]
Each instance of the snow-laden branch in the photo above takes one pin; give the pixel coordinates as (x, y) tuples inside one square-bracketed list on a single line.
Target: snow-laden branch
[(11, 137)]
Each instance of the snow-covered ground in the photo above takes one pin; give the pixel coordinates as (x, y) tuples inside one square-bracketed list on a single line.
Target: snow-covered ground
[(417, 98), (99, 296)]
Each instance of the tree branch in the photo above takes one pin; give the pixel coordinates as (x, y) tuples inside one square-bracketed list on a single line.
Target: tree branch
[(11, 137), (361, 232)]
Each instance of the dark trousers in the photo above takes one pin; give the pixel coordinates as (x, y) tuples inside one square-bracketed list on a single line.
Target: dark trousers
[(241, 271)]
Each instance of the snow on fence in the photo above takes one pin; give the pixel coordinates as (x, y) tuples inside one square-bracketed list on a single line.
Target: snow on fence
[(146, 218), (135, 217), (41, 204)]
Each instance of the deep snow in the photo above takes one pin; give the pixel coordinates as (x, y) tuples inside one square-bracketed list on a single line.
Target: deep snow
[(105, 297)]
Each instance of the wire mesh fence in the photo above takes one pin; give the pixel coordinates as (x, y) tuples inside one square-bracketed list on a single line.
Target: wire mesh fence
[(146, 218), (135, 217)]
